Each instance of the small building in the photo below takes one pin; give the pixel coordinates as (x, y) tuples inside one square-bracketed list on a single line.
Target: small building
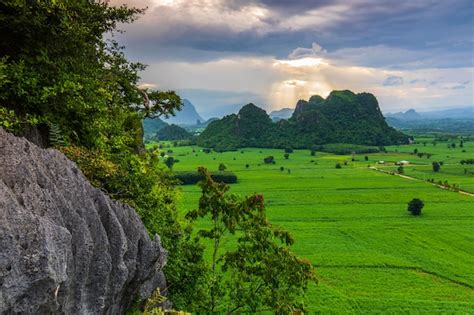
[(403, 162)]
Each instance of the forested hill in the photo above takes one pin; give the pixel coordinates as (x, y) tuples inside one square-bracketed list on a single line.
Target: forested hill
[(343, 117)]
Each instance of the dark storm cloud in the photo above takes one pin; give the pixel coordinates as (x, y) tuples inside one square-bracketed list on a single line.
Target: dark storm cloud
[(227, 29)]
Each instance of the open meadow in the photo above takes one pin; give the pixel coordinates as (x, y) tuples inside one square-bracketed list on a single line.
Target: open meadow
[(352, 223)]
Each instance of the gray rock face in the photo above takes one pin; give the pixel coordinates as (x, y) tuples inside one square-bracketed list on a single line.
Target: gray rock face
[(65, 247)]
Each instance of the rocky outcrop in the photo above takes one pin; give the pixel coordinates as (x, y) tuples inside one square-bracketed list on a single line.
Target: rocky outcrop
[(65, 247)]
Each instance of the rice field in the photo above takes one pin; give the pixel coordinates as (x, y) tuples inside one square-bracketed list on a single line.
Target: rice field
[(370, 255)]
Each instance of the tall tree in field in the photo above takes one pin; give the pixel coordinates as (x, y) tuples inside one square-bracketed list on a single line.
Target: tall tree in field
[(259, 272)]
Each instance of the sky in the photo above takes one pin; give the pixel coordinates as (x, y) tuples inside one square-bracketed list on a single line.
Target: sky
[(222, 54)]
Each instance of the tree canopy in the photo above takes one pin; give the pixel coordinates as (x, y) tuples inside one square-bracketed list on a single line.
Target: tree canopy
[(57, 69)]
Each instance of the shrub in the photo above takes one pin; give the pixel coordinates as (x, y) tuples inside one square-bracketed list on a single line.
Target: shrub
[(282, 168), (247, 166), (193, 177), (400, 170), (415, 206), (366, 158), (287, 156), (222, 167), (313, 152), (269, 160), (288, 150), (436, 166), (338, 165), (170, 162), (346, 148)]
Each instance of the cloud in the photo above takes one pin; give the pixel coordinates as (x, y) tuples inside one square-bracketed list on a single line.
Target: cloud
[(315, 50), (393, 80), (194, 29), (229, 52)]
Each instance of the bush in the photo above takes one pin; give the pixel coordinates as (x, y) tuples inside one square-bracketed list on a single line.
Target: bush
[(269, 160), (338, 165), (282, 168), (400, 170), (436, 166), (288, 150), (415, 206), (313, 152), (193, 177), (222, 167), (170, 162), (345, 148), (287, 156)]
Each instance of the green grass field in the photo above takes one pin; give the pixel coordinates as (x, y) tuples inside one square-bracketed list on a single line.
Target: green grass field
[(370, 255)]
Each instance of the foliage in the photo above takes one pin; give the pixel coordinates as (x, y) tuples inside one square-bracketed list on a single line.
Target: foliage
[(151, 126), (222, 167), (173, 132), (286, 156), (170, 162), (436, 166), (8, 120), (269, 160), (57, 67), (347, 148), (415, 206), (192, 177), (338, 165), (261, 272), (56, 137)]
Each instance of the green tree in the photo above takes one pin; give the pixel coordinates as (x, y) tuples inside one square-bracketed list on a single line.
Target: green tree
[(436, 166), (222, 167), (286, 156), (59, 69), (269, 160), (415, 206), (400, 169), (170, 162), (260, 272)]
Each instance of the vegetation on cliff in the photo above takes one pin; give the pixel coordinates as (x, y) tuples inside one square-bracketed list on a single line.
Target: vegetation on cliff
[(343, 117)]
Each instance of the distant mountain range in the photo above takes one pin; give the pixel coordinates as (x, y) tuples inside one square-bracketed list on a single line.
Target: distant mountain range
[(409, 115), (343, 117), (283, 113), (455, 113), (457, 120), (186, 116)]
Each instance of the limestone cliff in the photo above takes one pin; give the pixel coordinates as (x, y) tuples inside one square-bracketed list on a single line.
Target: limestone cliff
[(65, 247)]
